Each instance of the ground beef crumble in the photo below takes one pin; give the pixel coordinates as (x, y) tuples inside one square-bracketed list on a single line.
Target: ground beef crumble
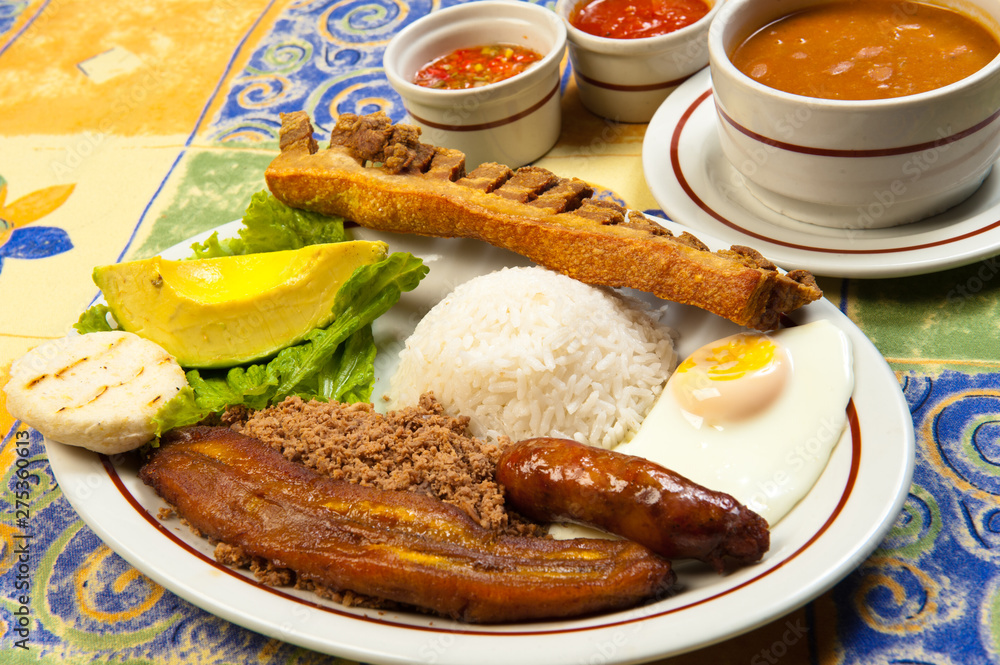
[(419, 448)]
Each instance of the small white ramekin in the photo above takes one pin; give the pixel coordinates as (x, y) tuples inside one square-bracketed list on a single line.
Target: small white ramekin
[(854, 164), (626, 80), (511, 122)]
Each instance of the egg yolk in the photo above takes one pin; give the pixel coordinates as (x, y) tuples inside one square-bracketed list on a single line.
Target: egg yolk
[(731, 379)]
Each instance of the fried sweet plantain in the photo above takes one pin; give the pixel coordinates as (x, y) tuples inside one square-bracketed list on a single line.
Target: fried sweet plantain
[(380, 176), (397, 545)]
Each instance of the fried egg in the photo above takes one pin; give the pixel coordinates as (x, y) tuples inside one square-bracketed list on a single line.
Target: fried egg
[(755, 415)]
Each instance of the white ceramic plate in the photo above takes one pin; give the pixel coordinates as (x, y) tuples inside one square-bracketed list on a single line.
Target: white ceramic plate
[(696, 186), (827, 535)]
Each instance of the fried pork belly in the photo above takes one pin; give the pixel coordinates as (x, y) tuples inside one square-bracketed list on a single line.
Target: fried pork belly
[(398, 545), (381, 176)]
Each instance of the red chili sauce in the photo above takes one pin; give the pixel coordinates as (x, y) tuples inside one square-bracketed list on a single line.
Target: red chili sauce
[(476, 66), (634, 19)]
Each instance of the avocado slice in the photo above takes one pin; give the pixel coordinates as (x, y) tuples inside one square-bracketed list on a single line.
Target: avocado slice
[(232, 310)]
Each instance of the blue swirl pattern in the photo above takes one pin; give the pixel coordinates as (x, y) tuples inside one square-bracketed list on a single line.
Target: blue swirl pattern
[(324, 58), (919, 592)]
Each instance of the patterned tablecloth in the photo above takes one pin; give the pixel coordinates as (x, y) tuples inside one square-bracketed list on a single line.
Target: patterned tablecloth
[(126, 127)]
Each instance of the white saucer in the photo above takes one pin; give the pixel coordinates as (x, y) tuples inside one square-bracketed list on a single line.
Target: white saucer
[(696, 186)]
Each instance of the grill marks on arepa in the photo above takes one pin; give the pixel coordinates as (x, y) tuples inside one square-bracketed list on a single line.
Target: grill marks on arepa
[(95, 365)]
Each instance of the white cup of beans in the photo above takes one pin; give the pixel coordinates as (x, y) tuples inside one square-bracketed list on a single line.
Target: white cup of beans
[(830, 117), (483, 78)]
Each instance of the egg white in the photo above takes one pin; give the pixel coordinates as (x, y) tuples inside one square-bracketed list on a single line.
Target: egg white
[(770, 460)]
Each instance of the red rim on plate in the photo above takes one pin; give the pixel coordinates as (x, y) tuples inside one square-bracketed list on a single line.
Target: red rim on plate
[(853, 423), (685, 184)]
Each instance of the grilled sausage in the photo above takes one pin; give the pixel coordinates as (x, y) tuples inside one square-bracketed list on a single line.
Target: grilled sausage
[(560, 480)]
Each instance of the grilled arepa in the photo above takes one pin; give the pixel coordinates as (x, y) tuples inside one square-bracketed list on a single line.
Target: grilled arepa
[(98, 391)]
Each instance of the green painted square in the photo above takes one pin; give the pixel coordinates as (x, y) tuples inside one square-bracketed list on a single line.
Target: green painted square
[(943, 320), (215, 188)]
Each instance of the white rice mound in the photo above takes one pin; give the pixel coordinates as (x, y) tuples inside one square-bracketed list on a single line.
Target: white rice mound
[(528, 352)]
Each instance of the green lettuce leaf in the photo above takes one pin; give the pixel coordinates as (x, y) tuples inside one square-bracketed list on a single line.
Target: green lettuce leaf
[(352, 377), (270, 226), (94, 319)]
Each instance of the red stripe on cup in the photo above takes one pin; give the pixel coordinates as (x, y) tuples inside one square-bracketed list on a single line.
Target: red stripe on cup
[(631, 88), (879, 152), (488, 125)]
